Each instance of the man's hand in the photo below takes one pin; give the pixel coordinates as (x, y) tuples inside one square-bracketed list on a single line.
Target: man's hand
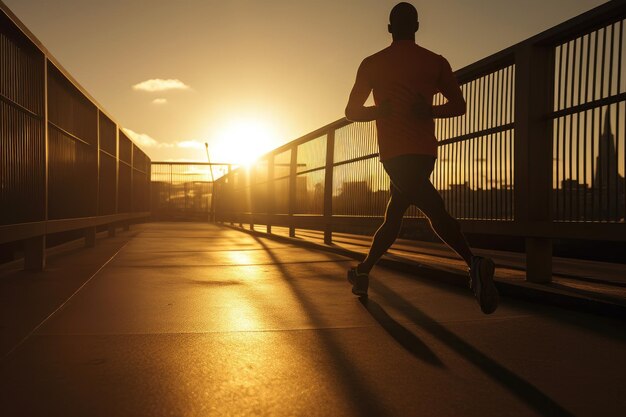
[(422, 109)]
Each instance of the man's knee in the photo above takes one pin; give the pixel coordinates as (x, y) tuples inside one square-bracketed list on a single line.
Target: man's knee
[(442, 219), (393, 219)]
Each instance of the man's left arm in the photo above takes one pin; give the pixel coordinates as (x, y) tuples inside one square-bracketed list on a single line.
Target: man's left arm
[(449, 87)]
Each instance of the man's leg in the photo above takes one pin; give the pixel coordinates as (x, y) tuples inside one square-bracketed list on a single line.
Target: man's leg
[(387, 232), (410, 175), (448, 229), (442, 223)]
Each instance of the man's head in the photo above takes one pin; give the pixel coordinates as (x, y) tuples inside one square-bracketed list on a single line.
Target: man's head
[(403, 21)]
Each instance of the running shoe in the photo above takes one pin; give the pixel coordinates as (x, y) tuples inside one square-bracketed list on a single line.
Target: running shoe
[(360, 282), (481, 282)]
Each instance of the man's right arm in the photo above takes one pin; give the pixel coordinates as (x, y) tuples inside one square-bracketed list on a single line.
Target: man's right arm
[(355, 110)]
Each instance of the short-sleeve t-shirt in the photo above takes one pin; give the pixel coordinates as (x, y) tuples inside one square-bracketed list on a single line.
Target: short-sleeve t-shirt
[(399, 74)]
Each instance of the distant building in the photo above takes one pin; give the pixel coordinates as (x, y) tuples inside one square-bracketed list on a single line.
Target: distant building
[(608, 184)]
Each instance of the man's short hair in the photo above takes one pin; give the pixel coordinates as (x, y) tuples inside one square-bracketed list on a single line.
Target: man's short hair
[(403, 15)]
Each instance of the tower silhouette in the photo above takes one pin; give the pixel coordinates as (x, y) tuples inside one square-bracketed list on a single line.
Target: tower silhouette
[(608, 184)]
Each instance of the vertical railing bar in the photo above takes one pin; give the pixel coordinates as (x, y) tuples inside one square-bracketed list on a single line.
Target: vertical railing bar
[(511, 137), (475, 141), (570, 138), (484, 102), (487, 139), (292, 189), (507, 92), (500, 153), (501, 215), (557, 133), (458, 186), (97, 207), (566, 77), (46, 139), (593, 119), (602, 95), (609, 139), (586, 113), (474, 176), (467, 161), (270, 193), (578, 124), (617, 131), (459, 120), (485, 172), (470, 116), (475, 105), (453, 179), (464, 210)]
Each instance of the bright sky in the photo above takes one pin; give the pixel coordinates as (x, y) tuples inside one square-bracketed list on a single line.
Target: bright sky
[(247, 76)]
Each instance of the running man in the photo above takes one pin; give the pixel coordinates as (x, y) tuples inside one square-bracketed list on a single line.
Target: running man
[(404, 77)]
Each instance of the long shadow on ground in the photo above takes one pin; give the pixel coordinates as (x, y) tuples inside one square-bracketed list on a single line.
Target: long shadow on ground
[(519, 387)]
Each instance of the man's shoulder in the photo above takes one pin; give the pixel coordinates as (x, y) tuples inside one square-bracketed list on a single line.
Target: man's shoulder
[(416, 49), (377, 56), (430, 54)]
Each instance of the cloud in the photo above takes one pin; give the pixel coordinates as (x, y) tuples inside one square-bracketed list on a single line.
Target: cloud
[(190, 144), (159, 101), (158, 84), (145, 140)]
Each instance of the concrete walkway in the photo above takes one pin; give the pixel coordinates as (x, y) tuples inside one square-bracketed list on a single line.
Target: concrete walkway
[(199, 320)]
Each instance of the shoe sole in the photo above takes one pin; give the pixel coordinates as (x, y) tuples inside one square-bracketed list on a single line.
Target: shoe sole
[(489, 292)]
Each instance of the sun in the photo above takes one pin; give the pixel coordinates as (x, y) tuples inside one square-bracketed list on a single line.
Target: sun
[(241, 142)]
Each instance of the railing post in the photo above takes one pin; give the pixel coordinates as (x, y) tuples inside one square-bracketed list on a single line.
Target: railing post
[(35, 248), (249, 186), (270, 193), (293, 169), (534, 89), (328, 187)]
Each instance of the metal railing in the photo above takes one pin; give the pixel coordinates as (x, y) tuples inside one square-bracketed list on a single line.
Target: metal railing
[(184, 190), (64, 163), (528, 159)]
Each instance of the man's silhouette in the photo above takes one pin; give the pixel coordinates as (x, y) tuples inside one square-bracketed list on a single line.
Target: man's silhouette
[(404, 77)]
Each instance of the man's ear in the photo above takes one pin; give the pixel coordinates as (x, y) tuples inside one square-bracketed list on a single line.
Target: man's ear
[(417, 26), (389, 28)]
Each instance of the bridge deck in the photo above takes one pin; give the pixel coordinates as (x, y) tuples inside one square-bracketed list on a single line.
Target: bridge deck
[(196, 320)]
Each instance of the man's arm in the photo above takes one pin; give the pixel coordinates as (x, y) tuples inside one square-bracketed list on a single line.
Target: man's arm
[(355, 110), (448, 86)]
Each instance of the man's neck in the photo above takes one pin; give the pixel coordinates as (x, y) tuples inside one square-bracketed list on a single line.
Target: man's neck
[(403, 37)]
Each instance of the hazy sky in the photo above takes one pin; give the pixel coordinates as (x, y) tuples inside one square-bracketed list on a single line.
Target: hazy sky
[(280, 68)]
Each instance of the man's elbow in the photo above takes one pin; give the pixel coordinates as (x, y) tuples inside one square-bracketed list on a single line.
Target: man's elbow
[(460, 107), (350, 113)]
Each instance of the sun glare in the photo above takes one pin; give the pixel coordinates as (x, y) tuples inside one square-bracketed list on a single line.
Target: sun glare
[(241, 142)]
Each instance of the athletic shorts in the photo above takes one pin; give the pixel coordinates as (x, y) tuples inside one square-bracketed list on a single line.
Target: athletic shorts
[(410, 182)]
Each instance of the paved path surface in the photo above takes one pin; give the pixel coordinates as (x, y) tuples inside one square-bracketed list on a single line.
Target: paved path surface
[(197, 320)]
